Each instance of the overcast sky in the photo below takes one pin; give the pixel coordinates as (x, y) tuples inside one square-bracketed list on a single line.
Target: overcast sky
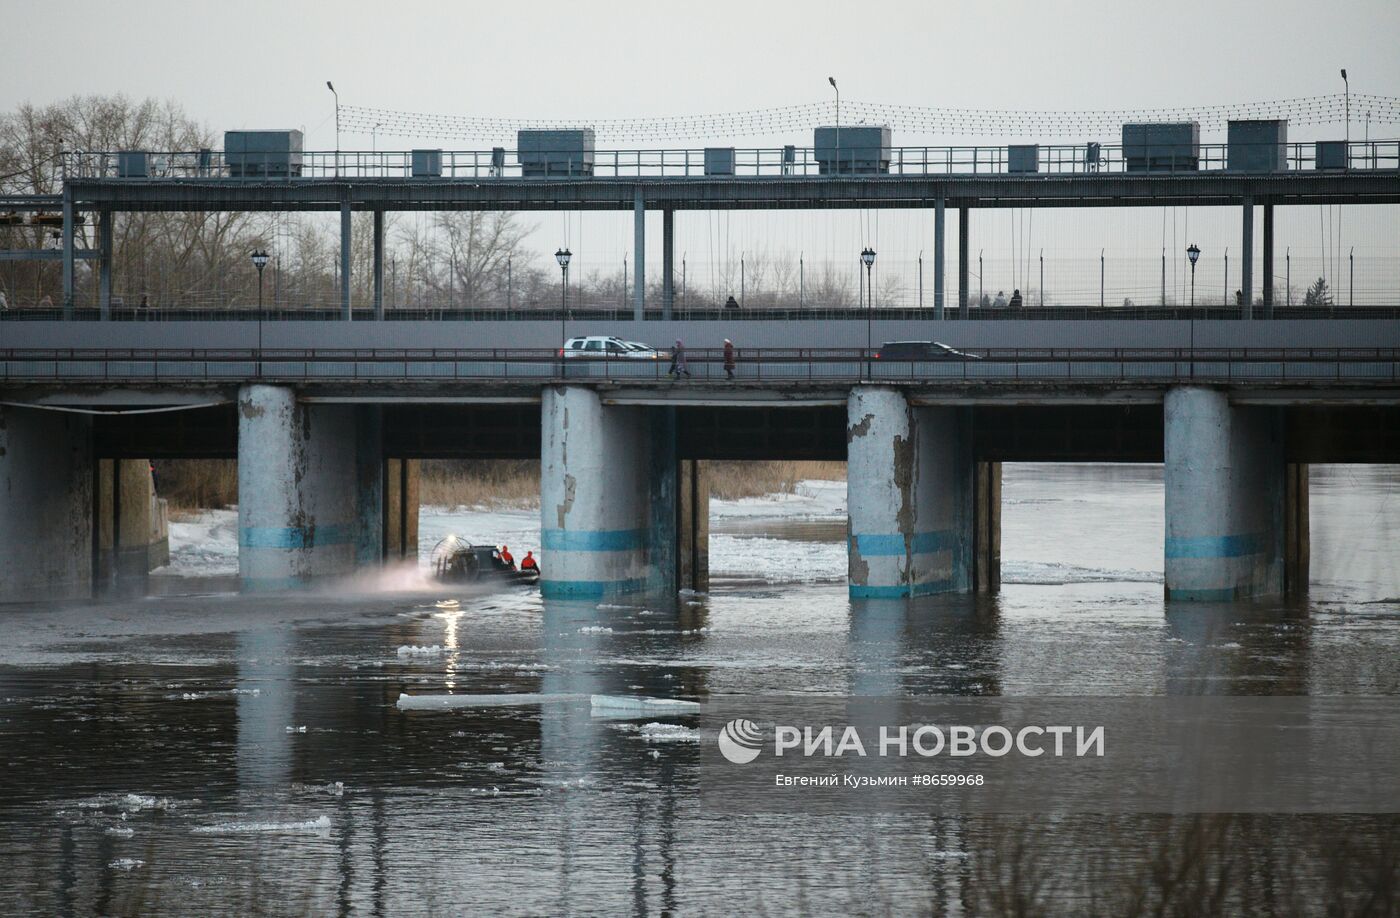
[(259, 63)]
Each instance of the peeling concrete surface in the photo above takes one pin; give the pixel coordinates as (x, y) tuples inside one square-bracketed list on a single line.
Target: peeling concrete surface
[(570, 484), (859, 429)]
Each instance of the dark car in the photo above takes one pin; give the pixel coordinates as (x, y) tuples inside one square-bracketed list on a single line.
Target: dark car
[(921, 350)]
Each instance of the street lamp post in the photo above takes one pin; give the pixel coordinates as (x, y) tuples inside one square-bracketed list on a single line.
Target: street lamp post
[(1193, 252), (867, 257), (331, 87), (562, 256), (832, 81), (374, 137), (1288, 275), (1346, 87), (1227, 275), (260, 261)]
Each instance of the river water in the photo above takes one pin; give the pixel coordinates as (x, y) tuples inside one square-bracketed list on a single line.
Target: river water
[(200, 751)]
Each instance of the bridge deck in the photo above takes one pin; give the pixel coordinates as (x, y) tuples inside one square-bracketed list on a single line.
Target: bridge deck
[(1376, 186)]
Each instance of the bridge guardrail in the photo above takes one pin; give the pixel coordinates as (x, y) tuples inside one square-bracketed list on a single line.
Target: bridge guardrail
[(774, 365), (783, 162)]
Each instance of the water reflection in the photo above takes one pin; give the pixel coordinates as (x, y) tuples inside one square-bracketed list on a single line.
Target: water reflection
[(169, 717), (266, 708)]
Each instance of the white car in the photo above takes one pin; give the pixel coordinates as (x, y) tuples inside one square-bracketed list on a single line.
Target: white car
[(608, 347)]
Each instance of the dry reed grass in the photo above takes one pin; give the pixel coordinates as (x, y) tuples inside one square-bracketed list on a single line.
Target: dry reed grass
[(198, 484)]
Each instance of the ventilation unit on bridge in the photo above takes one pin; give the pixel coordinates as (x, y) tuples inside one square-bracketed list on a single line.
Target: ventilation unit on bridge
[(1172, 147), (1330, 154), (555, 152), (862, 149), (1023, 157), (1258, 146), (254, 154), (427, 163), (133, 164), (719, 160)]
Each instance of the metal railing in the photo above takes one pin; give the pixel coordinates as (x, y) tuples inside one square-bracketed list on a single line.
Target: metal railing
[(1366, 366), (1083, 159), (324, 312)]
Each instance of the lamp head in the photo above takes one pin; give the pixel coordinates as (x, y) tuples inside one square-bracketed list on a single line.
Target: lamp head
[(562, 256), (832, 81), (868, 256), (259, 259), (1193, 252), (1344, 73), (329, 86)]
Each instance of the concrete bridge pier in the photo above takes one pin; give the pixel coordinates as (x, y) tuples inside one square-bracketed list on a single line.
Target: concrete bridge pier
[(912, 493), (619, 511), (400, 513), (132, 534), (301, 500), (46, 505), (1236, 513)]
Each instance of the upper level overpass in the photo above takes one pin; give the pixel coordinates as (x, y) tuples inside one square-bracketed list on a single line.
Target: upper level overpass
[(934, 178)]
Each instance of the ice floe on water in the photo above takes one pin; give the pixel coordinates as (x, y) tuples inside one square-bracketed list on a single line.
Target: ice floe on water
[(127, 803), (657, 732), (637, 705), (120, 831), (1055, 573), (448, 702), (320, 824), (126, 863), (408, 651)]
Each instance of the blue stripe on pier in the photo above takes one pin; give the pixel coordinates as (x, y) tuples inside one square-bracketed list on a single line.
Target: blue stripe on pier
[(874, 545), (1231, 546), (592, 539), (296, 536)]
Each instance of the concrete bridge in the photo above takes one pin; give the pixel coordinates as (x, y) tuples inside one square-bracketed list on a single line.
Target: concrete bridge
[(327, 419)]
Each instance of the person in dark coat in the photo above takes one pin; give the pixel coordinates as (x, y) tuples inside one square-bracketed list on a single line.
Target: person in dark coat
[(731, 303), (678, 364), (1016, 299), (729, 358)]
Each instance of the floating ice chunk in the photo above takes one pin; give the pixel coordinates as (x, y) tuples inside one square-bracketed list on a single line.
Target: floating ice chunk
[(121, 831), (635, 705), (407, 651), (447, 702), (131, 803), (296, 729), (319, 824), (595, 629), (669, 733), (126, 863)]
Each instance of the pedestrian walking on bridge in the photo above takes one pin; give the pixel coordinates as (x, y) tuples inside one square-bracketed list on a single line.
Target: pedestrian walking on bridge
[(678, 363), (728, 358)]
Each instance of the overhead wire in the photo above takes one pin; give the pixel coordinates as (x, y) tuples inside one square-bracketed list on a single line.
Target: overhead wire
[(1306, 110)]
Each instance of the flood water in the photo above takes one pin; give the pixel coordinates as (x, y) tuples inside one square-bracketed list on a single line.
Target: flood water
[(201, 751)]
